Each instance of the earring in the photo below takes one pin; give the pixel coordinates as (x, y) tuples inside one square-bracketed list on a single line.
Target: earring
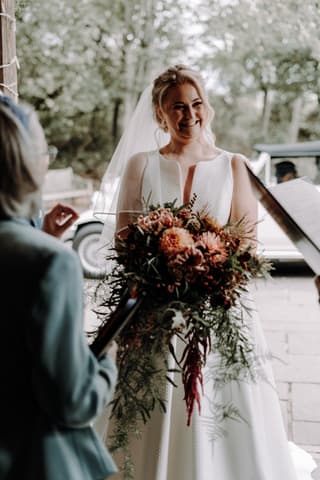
[(164, 126)]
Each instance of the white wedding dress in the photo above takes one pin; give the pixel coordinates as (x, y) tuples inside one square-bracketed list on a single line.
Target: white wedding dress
[(253, 447)]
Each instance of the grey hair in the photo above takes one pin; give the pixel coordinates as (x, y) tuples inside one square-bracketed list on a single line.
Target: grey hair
[(20, 177)]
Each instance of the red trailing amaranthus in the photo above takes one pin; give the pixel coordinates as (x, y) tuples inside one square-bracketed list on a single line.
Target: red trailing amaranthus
[(192, 361)]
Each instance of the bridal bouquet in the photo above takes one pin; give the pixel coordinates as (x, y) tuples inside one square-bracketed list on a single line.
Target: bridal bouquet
[(190, 273)]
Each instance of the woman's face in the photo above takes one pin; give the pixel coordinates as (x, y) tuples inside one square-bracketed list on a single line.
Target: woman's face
[(183, 113)]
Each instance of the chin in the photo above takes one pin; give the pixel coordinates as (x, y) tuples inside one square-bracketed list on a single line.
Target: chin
[(192, 133)]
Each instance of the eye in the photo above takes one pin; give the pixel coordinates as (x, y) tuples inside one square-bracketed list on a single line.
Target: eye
[(179, 107), (197, 103)]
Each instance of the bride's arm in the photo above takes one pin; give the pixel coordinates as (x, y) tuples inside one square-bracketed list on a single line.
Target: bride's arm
[(244, 204), (129, 202)]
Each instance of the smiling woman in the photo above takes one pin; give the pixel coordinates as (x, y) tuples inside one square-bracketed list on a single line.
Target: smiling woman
[(182, 110), (188, 165)]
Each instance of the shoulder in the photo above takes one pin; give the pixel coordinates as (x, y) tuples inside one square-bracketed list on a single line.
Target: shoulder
[(137, 163), (239, 161), (35, 250), (46, 246), (56, 259), (54, 247), (240, 165), (138, 158)]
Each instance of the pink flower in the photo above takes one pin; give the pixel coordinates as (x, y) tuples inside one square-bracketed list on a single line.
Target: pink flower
[(175, 240), (157, 220)]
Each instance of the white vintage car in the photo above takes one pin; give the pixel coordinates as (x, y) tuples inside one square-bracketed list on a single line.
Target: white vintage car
[(269, 163), (275, 164), (84, 236)]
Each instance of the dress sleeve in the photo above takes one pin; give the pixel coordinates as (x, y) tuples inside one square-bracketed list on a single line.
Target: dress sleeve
[(69, 383), (130, 202)]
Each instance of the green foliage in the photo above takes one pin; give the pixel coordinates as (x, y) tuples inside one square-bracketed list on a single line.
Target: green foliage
[(83, 65), (85, 62), (266, 55)]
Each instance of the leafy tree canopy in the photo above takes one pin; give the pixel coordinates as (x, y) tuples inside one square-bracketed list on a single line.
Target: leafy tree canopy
[(85, 62)]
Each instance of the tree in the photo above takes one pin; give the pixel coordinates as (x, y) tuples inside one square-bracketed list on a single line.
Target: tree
[(266, 51), (8, 64), (84, 64)]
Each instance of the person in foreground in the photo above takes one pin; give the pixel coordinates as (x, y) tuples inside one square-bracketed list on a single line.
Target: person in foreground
[(57, 220), (52, 385), (183, 162)]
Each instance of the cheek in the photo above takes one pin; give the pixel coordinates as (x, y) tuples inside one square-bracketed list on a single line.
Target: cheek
[(175, 116), (209, 114), (205, 115)]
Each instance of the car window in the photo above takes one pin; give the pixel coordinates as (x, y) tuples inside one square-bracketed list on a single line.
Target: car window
[(275, 170), (303, 166)]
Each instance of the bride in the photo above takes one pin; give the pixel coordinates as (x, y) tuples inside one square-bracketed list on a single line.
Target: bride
[(173, 156)]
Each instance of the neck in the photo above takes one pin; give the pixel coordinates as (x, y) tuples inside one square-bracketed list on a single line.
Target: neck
[(196, 149)]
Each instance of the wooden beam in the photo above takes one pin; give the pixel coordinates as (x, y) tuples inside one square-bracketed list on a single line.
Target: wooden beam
[(8, 62)]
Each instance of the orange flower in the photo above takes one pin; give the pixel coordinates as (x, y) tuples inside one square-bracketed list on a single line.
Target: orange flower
[(175, 240), (212, 243)]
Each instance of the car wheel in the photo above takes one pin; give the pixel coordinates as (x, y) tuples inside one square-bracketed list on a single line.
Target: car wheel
[(85, 243)]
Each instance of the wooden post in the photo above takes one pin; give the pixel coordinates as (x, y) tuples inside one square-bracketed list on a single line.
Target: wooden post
[(8, 59)]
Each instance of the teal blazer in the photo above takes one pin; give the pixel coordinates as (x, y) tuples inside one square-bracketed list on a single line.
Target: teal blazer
[(52, 386)]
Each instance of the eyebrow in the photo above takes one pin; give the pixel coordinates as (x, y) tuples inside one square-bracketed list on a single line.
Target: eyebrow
[(182, 103)]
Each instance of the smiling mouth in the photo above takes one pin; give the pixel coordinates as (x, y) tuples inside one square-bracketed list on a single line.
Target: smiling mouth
[(188, 125)]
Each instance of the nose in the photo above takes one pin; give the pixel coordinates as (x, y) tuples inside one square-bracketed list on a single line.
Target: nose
[(189, 112)]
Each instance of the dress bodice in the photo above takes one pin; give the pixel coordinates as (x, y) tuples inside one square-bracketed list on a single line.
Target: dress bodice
[(212, 183)]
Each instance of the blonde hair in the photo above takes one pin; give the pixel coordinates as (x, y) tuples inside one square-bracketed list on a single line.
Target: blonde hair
[(20, 179), (173, 76)]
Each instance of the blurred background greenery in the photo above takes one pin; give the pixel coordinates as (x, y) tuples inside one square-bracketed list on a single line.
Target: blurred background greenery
[(83, 64)]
